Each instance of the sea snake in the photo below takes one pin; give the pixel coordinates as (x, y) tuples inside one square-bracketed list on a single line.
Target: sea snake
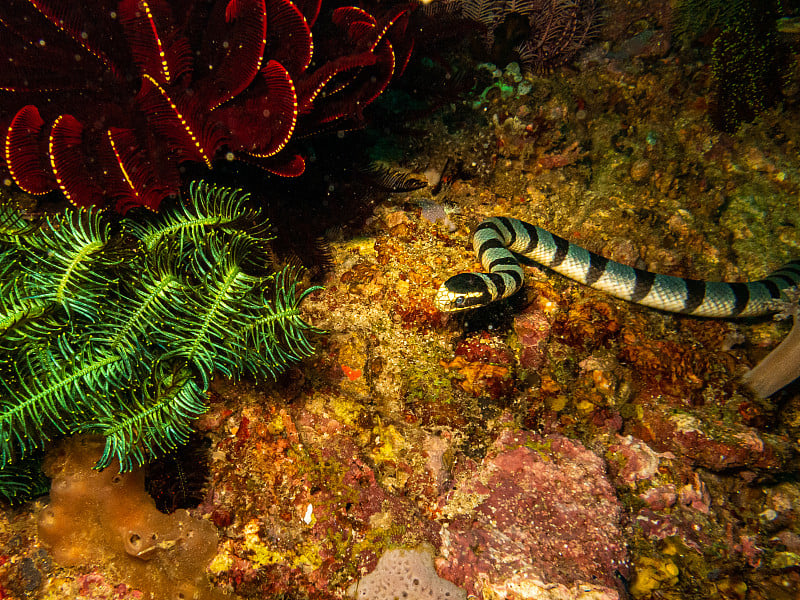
[(495, 239)]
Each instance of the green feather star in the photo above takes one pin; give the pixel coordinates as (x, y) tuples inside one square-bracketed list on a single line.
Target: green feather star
[(119, 334)]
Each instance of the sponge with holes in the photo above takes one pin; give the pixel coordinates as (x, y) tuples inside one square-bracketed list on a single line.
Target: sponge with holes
[(403, 574), (107, 518)]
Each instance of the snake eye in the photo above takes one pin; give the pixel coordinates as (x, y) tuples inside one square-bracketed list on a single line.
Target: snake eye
[(459, 301)]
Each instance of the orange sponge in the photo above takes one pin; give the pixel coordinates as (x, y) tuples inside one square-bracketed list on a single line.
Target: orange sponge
[(107, 518)]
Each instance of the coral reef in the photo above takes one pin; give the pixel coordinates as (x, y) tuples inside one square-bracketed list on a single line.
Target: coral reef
[(107, 517), (106, 100), (119, 335), (345, 485), (635, 423)]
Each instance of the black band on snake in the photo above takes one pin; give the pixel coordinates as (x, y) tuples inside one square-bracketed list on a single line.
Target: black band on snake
[(495, 239)]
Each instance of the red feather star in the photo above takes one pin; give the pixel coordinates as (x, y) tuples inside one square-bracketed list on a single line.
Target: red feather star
[(105, 99)]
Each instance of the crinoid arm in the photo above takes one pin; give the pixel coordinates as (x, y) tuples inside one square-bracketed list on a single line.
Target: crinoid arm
[(208, 208), (118, 331), (275, 334), (152, 420), (70, 263), (49, 390)]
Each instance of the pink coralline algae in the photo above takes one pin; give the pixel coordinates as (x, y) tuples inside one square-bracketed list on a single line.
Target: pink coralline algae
[(660, 498), (94, 586), (538, 518), (307, 507)]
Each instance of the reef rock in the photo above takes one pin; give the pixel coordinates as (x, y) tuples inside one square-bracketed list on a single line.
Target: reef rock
[(538, 518)]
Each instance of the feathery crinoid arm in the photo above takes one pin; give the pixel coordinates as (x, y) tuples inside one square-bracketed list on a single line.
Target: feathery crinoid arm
[(69, 262), (152, 419), (275, 334), (145, 303), (20, 308), (13, 226), (210, 208), (25, 319), (48, 389), (22, 480), (210, 312)]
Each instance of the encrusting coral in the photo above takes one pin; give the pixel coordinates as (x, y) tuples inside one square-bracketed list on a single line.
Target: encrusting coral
[(118, 333)]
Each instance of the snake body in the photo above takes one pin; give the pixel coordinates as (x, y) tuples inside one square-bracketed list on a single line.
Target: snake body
[(495, 239)]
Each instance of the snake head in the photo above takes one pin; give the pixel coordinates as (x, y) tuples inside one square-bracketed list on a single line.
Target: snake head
[(462, 292)]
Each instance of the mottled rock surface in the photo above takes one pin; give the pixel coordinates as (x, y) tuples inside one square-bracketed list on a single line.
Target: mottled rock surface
[(538, 512)]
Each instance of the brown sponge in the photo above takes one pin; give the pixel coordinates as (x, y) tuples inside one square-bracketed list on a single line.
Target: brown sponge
[(107, 518)]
